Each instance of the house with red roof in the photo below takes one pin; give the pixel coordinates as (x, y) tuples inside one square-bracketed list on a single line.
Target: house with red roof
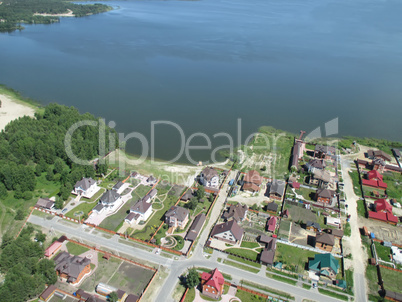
[(212, 284), (383, 212), (374, 179), (55, 247), (271, 224)]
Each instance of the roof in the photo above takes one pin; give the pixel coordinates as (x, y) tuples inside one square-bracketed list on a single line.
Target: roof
[(52, 248), (84, 295), (253, 177), (295, 153), (188, 195), (295, 184), (98, 207), (84, 183), (316, 163), (325, 149), (272, 207), (209, 173), (374, 183), (231, 226), (70, 265), (381, 205), (109, 197), (277, 187), (179, 213), (248, 186), (132, 298), (195, 227), (120, 293), (237, 212), (48, 292), (132, 216), (140, 207), (324, 193), (382, 154), (393, 168), (325, 238), (383, 216), (44, 203), (374, 174), (316, 225), (322, 261), (271, 224), (214, 279), (322, 175), (266, 239), (153, 193), (286, 213), (397, 152), (335, 232), (268, 254), (393, 295), (118, 185)]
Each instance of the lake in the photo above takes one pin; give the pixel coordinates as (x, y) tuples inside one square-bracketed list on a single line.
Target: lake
[(205, 64)]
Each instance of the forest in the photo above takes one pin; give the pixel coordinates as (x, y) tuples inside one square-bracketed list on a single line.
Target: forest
[(33, 148), (13, 13), (25, 270)]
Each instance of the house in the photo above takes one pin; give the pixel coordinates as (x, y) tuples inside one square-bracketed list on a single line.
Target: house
[(151, 180), (286, 214), (86, 187), (294, 184), (120, 187), (238, 212), (313, 226), (252, 181), (151, 195), (272, 207), (315, 163), (277, 189), (195, 227), (325, 152), (378, 164), (187, 196), (374, 179), (321, 179), (84, 296), (177, 217), (383, 212), (324, 196), (212, 284), (336, 232), (132, 298), (48, 293), (297, 152), (271, 224), (55, 247), (325, 241), (324, 265), (107, 201), (333, 221), (228, 231), (268, 253), (121, 295), (396, 254), (209, 177), (141, 211), (45, 203), (396, 152), (379, 154), (72, 268)]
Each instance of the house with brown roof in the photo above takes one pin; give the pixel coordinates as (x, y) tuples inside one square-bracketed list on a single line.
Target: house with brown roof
[(48, 293), (252, 181), (177, 217), (336, 232), (212, 284), (324, 196), (379, 154), (320, 178), (315, 163), (325, 241), (45, 203), (196, 227), (268, 253), (325, 152), (297, 152), (277, 189), (228, 231), (272, 207), (209, 177), (238, 212), (72, 268)]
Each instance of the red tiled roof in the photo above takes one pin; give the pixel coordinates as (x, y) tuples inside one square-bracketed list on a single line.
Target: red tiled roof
[(374, 174), (381, 205), (214, 278), (251, 187), (295, 185), (253, 177), (374, 183), (383, 216), (54, 247), (272, 223)]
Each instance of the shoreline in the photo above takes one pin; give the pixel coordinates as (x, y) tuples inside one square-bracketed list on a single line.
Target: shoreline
[(13, 106)]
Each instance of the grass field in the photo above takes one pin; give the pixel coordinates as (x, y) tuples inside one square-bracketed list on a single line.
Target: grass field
[(244, 261), (266, 289), (241, 266), (114, 221), (293, 258), (282, 279), (390, 279), (76, 249), (332, 294), (383, 252), (243, 253), (248, 297), (250, 245)]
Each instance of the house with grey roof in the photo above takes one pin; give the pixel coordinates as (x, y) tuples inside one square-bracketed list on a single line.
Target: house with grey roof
[(141, 211), (209, 177), (238, 212), (45, 203), (109, 200), (276, 189), (228, 231), (85, 187), (177, 217), (268, 253), (195, 227)]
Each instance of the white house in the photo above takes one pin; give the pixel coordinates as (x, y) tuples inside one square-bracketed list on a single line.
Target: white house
[(86, 187), (336, 222), (396, 254), (151, 195), (108, 201), (139, 212), (120, 187), (209, 177), (228, 231)]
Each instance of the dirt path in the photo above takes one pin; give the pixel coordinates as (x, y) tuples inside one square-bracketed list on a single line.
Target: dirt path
[(354, 241)]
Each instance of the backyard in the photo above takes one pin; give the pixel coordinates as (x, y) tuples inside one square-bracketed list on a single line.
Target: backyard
[(293, 258), (76, 249)]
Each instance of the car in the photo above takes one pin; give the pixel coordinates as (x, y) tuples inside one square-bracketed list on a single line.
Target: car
[(64, 210), (157, 251)]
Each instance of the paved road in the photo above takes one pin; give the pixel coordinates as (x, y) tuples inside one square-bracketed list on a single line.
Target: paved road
[(359, 257), (178, 267)]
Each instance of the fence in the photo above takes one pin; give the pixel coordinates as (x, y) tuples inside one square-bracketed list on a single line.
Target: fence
[(184, 295)]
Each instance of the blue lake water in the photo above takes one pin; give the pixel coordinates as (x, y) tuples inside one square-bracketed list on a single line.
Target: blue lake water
[(204, 64)]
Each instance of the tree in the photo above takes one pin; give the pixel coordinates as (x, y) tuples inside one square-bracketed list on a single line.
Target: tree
[(50, 174), (3, 191), (192, 278), (211, 197), (45, 267), (101, 169), (59, 203), (40, 237), (113, 297), (20, 215), (200, 192), (192, 204)]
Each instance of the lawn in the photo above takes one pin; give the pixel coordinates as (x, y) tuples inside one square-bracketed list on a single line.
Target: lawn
[(250, 245), (383, 252), (361, 210), (307, 193), (266, 289), (190, 296), (76, 249), (282, 279), (244, 261), (247, 297), (293, 258), (114, 221), (393, 181), (347, 230), (140, 192), (243, 253), (84, 207), (332, 294), (372, 279), (390, 279), (241, 266), (354, 175), (306, 286)]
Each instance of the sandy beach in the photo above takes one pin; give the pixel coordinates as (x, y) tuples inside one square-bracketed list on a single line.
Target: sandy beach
[(11, 110), (69, 13)]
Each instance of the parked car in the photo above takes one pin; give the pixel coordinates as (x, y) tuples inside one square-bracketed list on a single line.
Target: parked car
[(64, 210)]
